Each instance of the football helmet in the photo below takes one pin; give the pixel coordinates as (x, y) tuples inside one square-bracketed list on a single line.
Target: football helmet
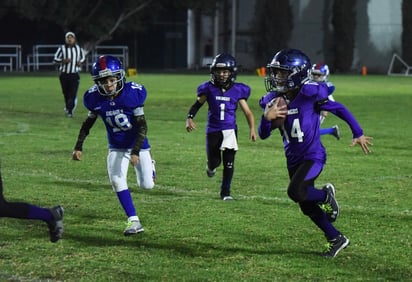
[(319, 72), (291, 61), (104, 68), (221, 63)]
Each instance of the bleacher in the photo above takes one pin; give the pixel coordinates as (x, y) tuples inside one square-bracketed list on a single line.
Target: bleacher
[(42, 57)]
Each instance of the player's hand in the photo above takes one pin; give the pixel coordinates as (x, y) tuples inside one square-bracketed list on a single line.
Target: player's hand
[(77, 155), (134, 159), (274, 111), (252, 136), (190, 125), (364, 142)]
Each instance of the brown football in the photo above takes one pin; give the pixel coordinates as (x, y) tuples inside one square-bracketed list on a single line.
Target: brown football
[(278, 122)]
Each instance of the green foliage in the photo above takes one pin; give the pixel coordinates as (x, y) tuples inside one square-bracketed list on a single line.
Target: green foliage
[(407, 31), (273, 28), (190, 234), (344, 23)]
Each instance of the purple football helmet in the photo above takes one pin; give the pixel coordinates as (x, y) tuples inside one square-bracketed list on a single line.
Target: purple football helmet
[(223, 61), (295, 62)]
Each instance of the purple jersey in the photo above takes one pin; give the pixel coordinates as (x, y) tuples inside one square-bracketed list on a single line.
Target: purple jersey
[(301, 136), (117, 114), (222, 105)]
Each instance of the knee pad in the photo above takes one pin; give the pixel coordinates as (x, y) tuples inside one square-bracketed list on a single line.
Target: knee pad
[(118, 184)]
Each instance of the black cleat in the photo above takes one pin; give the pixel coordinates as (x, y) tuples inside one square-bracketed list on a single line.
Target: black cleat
[(335, 245), (56, 224), (330, 206), (336, 132)]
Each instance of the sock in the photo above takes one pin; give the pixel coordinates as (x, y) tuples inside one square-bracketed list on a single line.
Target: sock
[(36, 212), (324, 131), (323, 223), (315, 195), (126, 201)]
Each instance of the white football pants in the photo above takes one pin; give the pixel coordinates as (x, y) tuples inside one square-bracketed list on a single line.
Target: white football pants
[(117, 166)]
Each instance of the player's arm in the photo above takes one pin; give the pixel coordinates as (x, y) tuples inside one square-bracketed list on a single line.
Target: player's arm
[(249, 117), (141, 124), (343, 113), (190, 124), (84, 131)]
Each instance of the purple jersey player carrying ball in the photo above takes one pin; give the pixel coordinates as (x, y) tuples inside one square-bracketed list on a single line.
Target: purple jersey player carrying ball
[(305, 154), (223, 96), (120, 105)]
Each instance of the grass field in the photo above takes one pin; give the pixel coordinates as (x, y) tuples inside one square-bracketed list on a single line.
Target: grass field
[(191, 235)]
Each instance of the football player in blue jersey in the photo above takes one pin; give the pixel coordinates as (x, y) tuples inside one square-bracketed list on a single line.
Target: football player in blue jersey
[(223, 96), (305, 155), (320, 73), (120, 106), (52, 217)]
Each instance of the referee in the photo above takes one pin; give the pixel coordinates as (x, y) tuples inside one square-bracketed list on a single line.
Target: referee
[(70, 58)]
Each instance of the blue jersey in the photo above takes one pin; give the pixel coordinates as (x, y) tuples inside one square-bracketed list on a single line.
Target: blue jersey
[(222, 105), (301, 135), (117, 114)]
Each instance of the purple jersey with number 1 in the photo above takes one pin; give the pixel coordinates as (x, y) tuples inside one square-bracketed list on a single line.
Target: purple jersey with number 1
[(117, 114), (222, 105), (301, 135)]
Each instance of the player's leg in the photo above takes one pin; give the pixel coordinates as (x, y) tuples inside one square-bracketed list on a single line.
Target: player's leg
[(301, 189), (214, 158), (53, 217), (117, 166), (144, 170), (334, 130), (228, 171)]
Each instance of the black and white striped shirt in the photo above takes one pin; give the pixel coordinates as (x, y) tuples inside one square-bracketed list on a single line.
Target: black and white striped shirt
[(75, 53)]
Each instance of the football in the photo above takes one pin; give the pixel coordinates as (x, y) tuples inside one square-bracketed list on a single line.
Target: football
[(278, 122)]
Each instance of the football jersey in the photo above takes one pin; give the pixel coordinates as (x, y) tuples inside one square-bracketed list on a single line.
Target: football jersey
[(301, 131), (117, 114), (222, 105)]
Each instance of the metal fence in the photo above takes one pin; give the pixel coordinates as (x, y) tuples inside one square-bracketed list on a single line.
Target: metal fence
[(42, 56), (10, 57)]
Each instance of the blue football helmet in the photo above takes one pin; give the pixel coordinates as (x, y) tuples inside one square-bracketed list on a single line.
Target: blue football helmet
[(105, 67), (295, 62), (221, 62), (319, 72)]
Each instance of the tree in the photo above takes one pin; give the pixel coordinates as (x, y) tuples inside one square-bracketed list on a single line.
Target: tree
[(273, 28), (407, 31), (344, 23)]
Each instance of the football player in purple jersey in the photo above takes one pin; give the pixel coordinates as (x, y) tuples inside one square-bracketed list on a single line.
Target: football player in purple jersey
[(52, 217), (320, 73), (305, 155), (223, 96), (120, 106)]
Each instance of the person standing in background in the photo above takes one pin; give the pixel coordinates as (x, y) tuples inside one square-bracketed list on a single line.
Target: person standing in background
[(70, 56)]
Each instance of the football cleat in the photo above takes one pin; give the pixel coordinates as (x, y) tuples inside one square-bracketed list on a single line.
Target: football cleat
[(330, 206), (336, 132), (334, 246), (133, 227), (227, 198), (56, 224), (210, 173)]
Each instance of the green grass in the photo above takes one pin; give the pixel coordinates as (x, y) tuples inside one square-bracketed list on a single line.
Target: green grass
[(190, 234)]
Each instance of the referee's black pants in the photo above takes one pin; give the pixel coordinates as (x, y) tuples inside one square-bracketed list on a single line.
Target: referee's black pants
[(70, 85)]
